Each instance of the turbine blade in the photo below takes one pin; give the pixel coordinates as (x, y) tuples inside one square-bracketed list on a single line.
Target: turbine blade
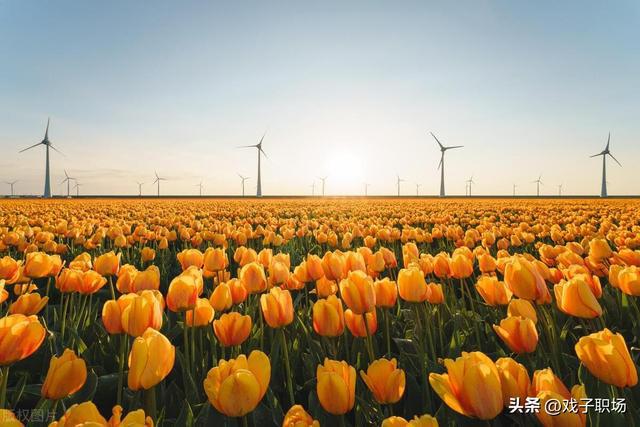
[(437, 140), (265, 154), (46, 132), (608, 141), (453, 146), (29, 148), (263, 135), (615, 159), (441, 161), (56, 150), (596, 155), (247, 146)]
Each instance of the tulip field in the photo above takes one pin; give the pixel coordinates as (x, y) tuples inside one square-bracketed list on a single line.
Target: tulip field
[(319, 312)]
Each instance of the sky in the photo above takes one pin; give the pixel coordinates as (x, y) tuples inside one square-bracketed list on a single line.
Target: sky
[(348, 90)]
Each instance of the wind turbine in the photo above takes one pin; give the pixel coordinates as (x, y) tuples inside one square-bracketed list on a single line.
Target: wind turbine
[(77, 188), (200, 186), (418, 189), (140, 184), (604, 153), (260, 150), (441, 164), (323, 179), (560, 190), (469, 182), (11, 183), (399, 180), (514, 189), (538, 182), (68, 180), (47, 144), (243, 178), (158, 179), (366, 188), (313, 188)]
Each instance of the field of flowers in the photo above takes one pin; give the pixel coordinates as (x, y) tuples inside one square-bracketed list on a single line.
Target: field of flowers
[(319, 312)]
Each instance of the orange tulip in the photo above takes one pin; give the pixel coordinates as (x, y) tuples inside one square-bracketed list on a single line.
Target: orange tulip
[(183, 292), (336, 386), (107, 264), (232, 328), (215, 260), (385, 381), (112, 313), (28, 304), (69, 280), (238, 291), (253, 278), (357, 292), (487, 263), (628, 280), (150, 361), (20, 337), (221, 299), (435, 294), (92, 282), (574, 297), (355, 323), (493, 291), (147, 254), (386, 293), (523, 308), (514, 379), (203, 311), (38, 265), (524, 280), (461, 266), (9, 269), (143, 311), (546, 380), (326, 287), (190, 257), (314, 267), (65, 376), (147, 279), (126, 276), (411, 285), (328, 317), (296, 416), (518, 333), (277, 307)]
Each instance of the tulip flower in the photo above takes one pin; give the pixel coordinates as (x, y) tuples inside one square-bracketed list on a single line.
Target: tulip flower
[(150, 360), (83, 414), (147, 254), (418, 421), (215, 260), (107, 264), (355, 323), (523, 308), (147, 279), (296, 416), (435, 294), (628, 280), (232, 328), (221, 299), (253, 278), (524, 280), (247, 378), (326, 287), (28, 304), (9, 419), (514, 379), (203, 313), (357, 292), (574, 297), (461, 266), (92, 282), (441, 266), (70, 280), (386, 293), (599, 249), (20, 337), (314, 267), (328, 317), (141, 312), (546, 380), (385, 381), (336, 386), (492, 291), (563, 418), (487, 263), (411, 285), (277, 307), (9, 269), (471, 386), (518, 333), (65, 376), (132, 419), (38, 265), (190, 257), (607, 357), (183, 293)]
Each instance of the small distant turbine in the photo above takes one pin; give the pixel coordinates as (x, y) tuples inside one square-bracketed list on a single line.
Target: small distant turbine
[(604, 153), (398, 181), (140, 184), (260, 151), (200, 187), (538, 182), (469, 183), (418, 189), (47, 144), (11, 183), (313, 188), (323, 179), (77, 188), (243, 178), (560, 190), (157, 181), (366, 188), (68, 180), (441, 164), (514, 189)]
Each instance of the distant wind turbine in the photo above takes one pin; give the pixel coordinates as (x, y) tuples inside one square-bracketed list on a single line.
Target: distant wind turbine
[(441, 164), (469, 183), (514, 189), (418, 189), (399, 180), (260, 151), (538, 182), (560, 190), (77, 188), (68, 180), (323, 179), (243, 178), (47, 144), (604, 153), (366, 188), (200, 186), (11, 183), (140, 184), (157, 181), (313, 188)]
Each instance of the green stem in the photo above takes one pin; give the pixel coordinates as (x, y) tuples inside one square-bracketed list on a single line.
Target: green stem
[(385, 313), (287, 365), (369, 341), (245, 421), (113, 292), (123, 348), (149, 397), (192, 350), (63, 317), (3, 386), (185, 336), (341, 421)]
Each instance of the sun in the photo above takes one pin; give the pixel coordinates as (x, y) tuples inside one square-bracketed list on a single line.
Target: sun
[(345, 170)]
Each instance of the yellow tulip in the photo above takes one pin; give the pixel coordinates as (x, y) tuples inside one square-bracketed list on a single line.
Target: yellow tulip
[(141, 312), (385, 381), (83, 414), (107, 264), (20, 337), (150, 360), (65, 376), (328, 317), (471, 386), (253, 278), (190, 257), (411, 285), (204, 313), (277, 307), (357, 292), (28, 304), (518, 333), (237, 386), (524, 280), (599, 249), (232, 328), (220, 298), (493, 291), (574, 297), (607, 357), (514, 379), (336, 386)]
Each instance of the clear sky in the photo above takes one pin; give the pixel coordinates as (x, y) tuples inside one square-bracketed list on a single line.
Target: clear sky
[(348, 89)]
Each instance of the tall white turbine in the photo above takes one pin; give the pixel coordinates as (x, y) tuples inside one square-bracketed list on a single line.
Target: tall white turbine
[(47, 144), (200, 187), (469, 183), (418, 189), (243, 178), (313, 188), (604, 153), (514, 189), (538, 182), (11, 183), (68, 180), (398, 181), (366, 188), (77, 188), (157, 181), (441, 164), (323, 179), (560, 190), (140, 184), (260, 151)]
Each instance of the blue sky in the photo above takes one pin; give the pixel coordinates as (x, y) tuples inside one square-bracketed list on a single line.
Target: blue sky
[(344, 89)]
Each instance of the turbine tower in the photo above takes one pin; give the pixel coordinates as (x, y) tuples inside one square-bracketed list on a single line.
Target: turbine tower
[(47, 144), (313, 188), (398, 181), (560, 190), (441, 165), (514, 189), (68, 180), (140, 184), (11, 183), (469, 183), (243, 178), (158, 179), (538, 182), (77, 188), (366, 188), (323, 179), (260, 151), (604, 153), (418, 189), (200, 187)]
